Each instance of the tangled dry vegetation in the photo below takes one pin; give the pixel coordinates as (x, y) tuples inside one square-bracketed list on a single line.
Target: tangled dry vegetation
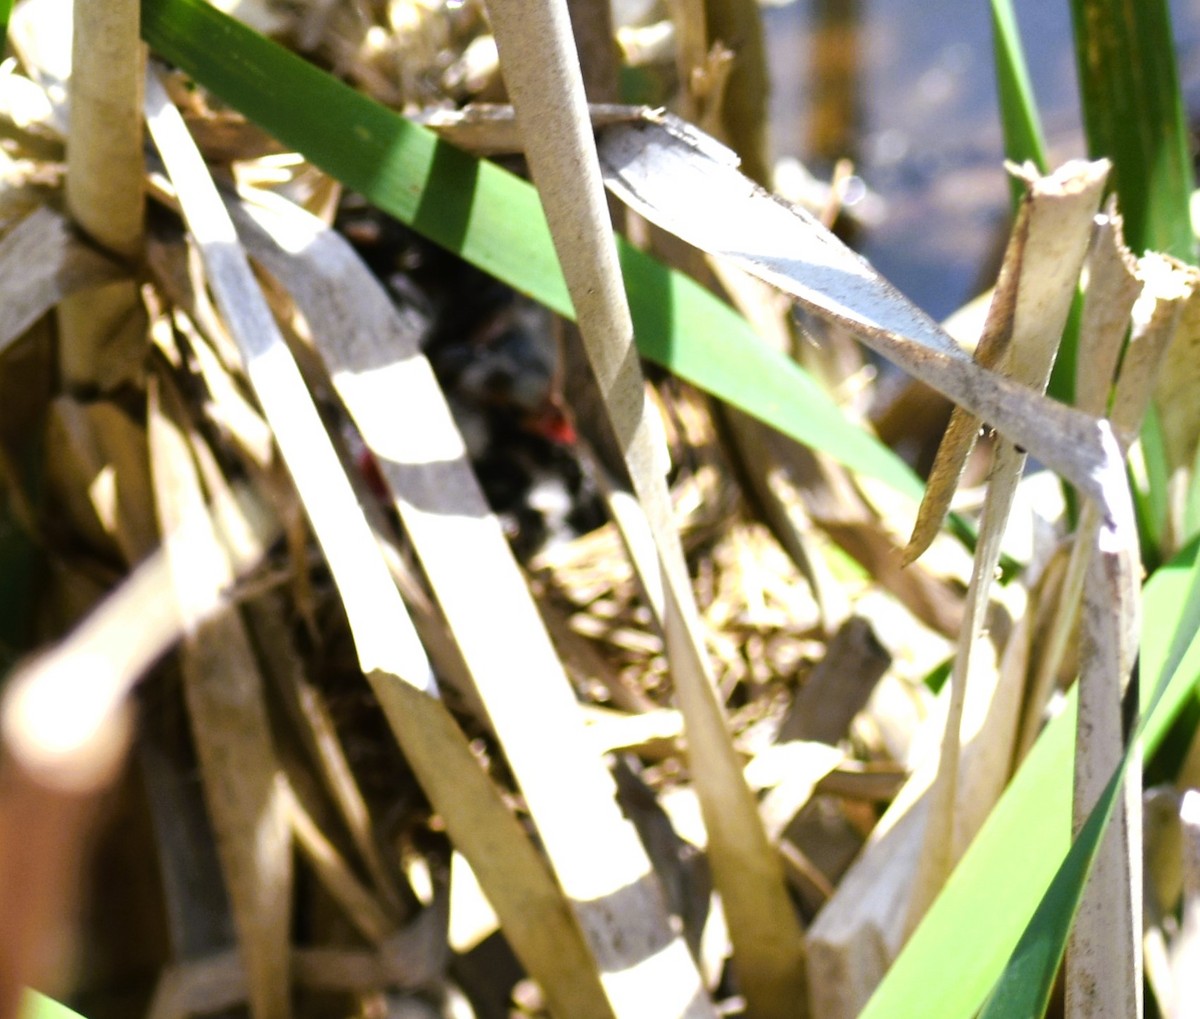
[(301, 827)]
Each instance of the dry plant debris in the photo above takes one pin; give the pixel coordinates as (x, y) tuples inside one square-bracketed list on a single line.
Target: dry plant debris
[(389, 770)]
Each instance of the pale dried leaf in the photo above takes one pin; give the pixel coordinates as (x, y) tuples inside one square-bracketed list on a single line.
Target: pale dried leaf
[(1175, 395), (41, 262), (376, 366), (663, 169), (242, 779), (536, 918), (1112, 287), (311, 718), (1104, 961)]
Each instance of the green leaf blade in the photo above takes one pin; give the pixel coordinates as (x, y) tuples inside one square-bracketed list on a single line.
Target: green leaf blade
[(1133, 115)]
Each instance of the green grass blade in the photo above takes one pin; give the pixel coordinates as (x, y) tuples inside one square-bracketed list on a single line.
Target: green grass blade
[(982, 914), (494, 220), (1025, 986), (6, 7), (1023, 137), (1133, 114), (37, 1006)]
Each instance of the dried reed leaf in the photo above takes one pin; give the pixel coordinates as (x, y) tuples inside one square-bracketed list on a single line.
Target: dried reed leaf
[(542, 74), (536, 918), (663, 170), (836, 505), (41, 262), (864, 924), (1037, 284), (243, 782), (227, 407), (839, 686), (1113, 286), (1174, 399), (328, 499), (358, 904), (376, 366)]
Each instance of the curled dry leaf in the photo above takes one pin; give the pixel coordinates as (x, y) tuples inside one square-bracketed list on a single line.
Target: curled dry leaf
[(1037, 284), (1025, 322)]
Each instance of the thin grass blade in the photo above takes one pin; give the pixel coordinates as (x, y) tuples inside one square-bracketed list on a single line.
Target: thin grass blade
[(1023, 137), (38, 1006)]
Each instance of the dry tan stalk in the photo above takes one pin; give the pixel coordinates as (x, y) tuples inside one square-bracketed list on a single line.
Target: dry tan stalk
[(542, 75), (1037, 285), (1112, 288), (1104, 960), (691, 52), (536, 918), (104, 158), (105, 172), (740, 110), (242, 778), (595, 39), (96, 462), (1179, 416)]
